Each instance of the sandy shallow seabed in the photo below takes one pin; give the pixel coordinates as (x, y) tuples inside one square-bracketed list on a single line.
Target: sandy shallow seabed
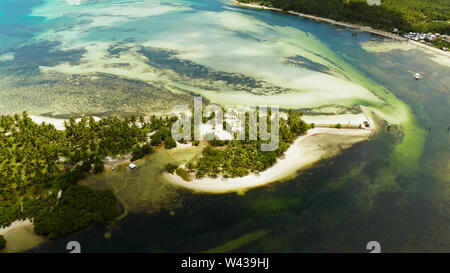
[(20, 237), (318, 143), (387, 46)]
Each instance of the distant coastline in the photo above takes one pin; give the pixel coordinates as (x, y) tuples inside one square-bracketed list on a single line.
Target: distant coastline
[(334, 22)]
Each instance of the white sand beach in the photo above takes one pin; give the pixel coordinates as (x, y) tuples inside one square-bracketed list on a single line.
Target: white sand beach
[(317, 144), (58, 123), (352, 120), (15, 225)]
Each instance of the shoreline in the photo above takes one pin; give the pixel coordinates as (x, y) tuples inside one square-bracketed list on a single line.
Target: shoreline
[(20, 236), (354, 26), (57, 122), (286, 166), (18, 224)]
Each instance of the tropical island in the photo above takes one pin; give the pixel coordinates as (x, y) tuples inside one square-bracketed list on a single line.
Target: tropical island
[(399, 17), (237, 165), (41, 167), (237, 158)]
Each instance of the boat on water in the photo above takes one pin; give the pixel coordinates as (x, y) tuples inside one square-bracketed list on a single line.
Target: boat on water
[(417, 76)]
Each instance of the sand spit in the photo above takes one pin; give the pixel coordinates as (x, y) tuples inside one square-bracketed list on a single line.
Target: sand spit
[(318, 143)]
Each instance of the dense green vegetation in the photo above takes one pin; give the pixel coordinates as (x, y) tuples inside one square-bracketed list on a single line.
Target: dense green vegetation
[(169, 143), (141, 151), (440, 43), (183, 173), (40, 167), (238, 158), (406, 15), (170, 168), (78, 207)]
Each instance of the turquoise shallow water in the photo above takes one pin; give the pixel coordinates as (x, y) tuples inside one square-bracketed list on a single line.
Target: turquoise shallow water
[(372, 191)]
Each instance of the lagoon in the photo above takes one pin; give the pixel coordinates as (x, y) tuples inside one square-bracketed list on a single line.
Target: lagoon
[(141, 57)]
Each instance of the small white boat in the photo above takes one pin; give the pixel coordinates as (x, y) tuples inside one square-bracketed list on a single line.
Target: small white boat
[(132, 166), (417, 76)]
